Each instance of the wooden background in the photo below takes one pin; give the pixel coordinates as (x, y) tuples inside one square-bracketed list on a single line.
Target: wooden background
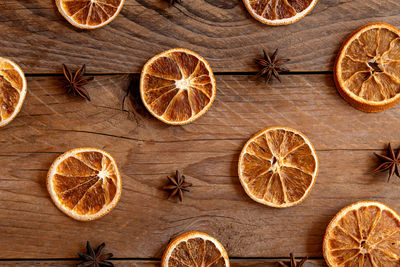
[(33, 232)]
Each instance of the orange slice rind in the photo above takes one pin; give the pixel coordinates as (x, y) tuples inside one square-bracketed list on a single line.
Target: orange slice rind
[(84, 183), (367, 68), (89, 14), (366, 233), (278, 167), (279, 12), (177, 86), (13, 90), (195, 249)]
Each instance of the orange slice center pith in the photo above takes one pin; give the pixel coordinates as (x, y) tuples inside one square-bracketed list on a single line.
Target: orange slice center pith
[(369, 66), (11, 86), (368, 235), (177, 86), (90, 12), (278, 167), (85, 182)]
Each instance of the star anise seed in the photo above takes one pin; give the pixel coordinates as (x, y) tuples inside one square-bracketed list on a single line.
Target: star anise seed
[(94, 258), (390, 163), (74, 83), (293, 262), (271, 66), (172, 2), (177, 185)]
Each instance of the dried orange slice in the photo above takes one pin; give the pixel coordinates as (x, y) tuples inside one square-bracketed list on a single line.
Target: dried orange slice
[(195, 249), (366, 233), (12, 90), (367, 69), (89, 14), (278, 167), (279, 12), (177, 86), (84, 183)]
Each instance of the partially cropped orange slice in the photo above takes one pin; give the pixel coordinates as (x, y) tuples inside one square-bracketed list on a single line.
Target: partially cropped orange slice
[(279, 12), (12, 90), (195, 249), (177, 86), (364, 234), (367, 69), (84, 183), (278, 167), (89, 14)]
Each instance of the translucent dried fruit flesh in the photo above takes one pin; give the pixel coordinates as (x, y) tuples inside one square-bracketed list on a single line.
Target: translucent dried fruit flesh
[(195, 250), (177, 86), (90, 12), (11, 86), (279, 11), (365, 234), (278, 167), (368, 66), (85, 182)]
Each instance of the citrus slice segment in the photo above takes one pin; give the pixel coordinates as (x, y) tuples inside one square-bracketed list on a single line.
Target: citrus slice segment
[(279, 12), (89, 14), (195, 249), (12, 90), (366, 233), (84, 183), (177, 86), (278, 167), (367, 69)]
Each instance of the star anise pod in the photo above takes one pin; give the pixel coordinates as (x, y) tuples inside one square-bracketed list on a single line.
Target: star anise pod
[(95, 258), (293, 262), (74, 83), (177, 185), (271, 66), (172, 2), (390, 162)]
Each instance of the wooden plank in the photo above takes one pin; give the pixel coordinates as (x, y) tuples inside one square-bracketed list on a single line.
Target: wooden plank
[(243, 106), (139, 263), (39, 39), (207, 151)]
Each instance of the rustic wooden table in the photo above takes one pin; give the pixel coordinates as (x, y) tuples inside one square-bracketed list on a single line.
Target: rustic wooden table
[(33, 232)]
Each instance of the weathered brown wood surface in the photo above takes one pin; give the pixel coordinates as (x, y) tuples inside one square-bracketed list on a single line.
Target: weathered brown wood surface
[(144, 263), (207, 151), (34, 233), (38, 38)]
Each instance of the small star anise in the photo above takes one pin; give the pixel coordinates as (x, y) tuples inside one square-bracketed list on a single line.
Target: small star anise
[(95, 258), (271, 66), (177, 185), (74, 83), (390, 162), (293, 262), (172, 2)]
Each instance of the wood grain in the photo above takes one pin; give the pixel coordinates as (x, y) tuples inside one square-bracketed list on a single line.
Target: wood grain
[(71, 263), (243, 106), (39, 39), (207, 151), (140, 263)]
